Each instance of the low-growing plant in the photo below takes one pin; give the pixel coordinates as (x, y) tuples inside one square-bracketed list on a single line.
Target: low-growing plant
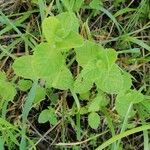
[(96, 69)]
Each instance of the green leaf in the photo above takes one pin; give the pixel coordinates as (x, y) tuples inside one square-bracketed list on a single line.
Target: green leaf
[(7, 91), (146, 105), (83, 110), (48, 60), (73, 40), (40, 95), (73, 5), (109, 56), (68, 4), (48, 115), (124, 100), (111, 81), (87, 52), (82, 85), (127, 81), (69, 21), (25, 67), (24, 85), (77, 5), (94, 120), (62, 80), (98, 102), (95, 4), (62, 31), (44, 116), (36, 66), (50, 28)]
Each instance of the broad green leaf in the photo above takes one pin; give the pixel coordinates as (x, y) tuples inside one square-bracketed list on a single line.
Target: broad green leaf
[(109, 56), (123, 101), (69, 21), (93, 70), (85, 96), (7, 90), (98, 102), (62, 31), (92, 51), (48, 60), (45, 62), (81, 85), (73, 40), (111, 81), (24, 85), (127, 81), (93, 120), (50, 27), (25, 67), (87, 52), (40, 95), (62, 80)]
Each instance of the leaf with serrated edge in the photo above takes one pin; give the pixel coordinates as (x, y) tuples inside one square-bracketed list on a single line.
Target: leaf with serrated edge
[(123, 101)]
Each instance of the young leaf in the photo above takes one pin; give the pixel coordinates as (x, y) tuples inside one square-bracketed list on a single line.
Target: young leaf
[(48, 115), (24, 85), (61, 31), (124, 100), (94, 120), (40, 95), (44, 116), (69, 21), (50, 27)]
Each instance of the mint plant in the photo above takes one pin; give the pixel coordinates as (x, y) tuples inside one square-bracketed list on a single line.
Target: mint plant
[(97, 68), (7, 89)]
